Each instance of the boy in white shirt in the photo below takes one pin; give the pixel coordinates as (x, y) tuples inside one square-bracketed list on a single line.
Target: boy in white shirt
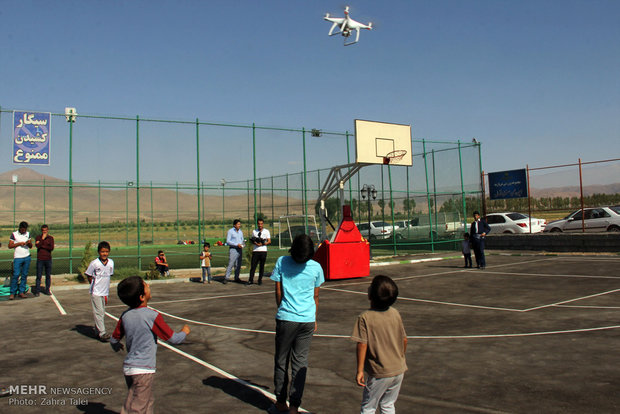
[(22, 243), (99, 273)]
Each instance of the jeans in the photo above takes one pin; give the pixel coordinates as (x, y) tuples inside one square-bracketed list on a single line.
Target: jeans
[(21, 266), (234, 260), (382, 393), (47, 265), (206, 271), (292, 346), (467, 259)]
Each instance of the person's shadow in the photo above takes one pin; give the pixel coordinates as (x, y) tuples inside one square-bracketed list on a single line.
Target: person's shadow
[(95, 408), (241, 392), (87, 331)]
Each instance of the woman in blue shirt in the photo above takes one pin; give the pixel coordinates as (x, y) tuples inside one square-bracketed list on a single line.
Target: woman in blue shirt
[(297, 295)]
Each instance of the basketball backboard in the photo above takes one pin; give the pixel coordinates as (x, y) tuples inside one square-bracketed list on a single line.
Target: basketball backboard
[(376, 140)]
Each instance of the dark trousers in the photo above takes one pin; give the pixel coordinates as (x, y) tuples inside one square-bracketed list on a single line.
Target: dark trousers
[(47, 265), (258, 258), (467, 259), (478, 245), (292, 346)]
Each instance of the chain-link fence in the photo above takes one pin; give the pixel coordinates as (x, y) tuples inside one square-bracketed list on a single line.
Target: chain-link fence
[(150, 184), (556, 191)]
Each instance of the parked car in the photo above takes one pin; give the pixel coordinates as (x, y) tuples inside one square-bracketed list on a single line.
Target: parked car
[(596, 219), (514, 223), (445, 225), (378, 230)]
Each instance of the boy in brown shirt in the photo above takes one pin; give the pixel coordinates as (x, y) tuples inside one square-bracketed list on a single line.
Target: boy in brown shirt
[(381, 344)]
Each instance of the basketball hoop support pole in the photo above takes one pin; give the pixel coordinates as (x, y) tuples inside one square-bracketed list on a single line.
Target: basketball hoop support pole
[(335, 181)]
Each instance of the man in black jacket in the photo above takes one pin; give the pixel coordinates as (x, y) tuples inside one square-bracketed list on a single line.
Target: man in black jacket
[(479, 229)]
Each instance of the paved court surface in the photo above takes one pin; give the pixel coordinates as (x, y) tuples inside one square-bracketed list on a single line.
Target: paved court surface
[(528, 334)]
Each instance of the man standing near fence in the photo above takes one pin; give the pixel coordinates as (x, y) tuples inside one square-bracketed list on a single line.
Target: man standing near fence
[(22, 243), (478, 231), (234, 241), (45, 244), (260, 238)]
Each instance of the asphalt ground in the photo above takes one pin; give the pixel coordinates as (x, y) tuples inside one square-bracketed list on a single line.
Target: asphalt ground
[(527, 334)]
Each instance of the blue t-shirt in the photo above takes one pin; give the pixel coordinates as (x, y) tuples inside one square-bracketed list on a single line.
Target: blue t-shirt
[(298, 282)]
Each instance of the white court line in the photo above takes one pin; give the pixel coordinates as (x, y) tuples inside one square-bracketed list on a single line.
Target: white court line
[(569, 331), (202, 298), (435, 301), (219, 371), (480, 336), (573, 300), (232, 328), (58, 305), (554, 275), (587, 307)]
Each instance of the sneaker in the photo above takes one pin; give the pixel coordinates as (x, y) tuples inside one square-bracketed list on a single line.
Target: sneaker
[(36, 295), (259, 283), (225, 281), (22, 295), (11, 297), (105, 337)]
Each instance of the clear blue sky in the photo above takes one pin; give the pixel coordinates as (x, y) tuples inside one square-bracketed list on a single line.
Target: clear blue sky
[(537, 82)]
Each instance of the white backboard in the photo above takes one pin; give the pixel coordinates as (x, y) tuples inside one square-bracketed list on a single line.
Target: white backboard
[(375, 140)]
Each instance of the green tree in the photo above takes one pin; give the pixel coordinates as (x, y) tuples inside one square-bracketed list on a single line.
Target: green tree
[(87, 257)]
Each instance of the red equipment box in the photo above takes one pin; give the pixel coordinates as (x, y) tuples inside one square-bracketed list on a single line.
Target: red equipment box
[(348, 256)]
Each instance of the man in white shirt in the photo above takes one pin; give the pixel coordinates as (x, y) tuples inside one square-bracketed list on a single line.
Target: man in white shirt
[(22, 243), (260, 239)]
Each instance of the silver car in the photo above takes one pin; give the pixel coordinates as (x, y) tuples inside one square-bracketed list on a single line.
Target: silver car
[(595, 220), (514, 223), (378, 230)]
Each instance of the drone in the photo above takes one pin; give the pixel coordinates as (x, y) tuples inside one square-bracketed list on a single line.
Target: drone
[(346, 26)]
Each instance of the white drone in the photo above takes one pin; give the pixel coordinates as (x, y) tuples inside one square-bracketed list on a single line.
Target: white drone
[(346, 25)]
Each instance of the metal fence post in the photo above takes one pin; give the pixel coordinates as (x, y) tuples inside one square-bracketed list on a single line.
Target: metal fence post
[(126, 213), (305, 181), (462, 188), (99, 206), (70, 196), (392, 209), (198, 181), (138, 192), (177, 194), (428, 197), (44, 221), (152, 221)]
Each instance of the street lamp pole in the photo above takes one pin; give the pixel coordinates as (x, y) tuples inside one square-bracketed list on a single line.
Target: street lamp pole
[(367, 192), (70, 114)]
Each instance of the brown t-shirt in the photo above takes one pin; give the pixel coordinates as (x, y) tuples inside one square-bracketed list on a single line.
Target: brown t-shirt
[(384, 333)]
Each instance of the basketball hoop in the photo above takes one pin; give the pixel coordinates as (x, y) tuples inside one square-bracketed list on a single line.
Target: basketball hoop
[(394, 156)]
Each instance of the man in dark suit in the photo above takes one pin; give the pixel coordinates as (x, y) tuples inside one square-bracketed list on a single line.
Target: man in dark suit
[(479, 229)]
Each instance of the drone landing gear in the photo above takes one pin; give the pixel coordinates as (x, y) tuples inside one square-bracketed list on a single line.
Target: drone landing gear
[(347, 34)]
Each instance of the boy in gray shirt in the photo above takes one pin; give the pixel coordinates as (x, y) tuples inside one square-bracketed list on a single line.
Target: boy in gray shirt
[(140, 325)]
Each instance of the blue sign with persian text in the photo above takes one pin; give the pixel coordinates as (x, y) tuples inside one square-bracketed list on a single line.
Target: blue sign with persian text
[(508, 184), (31, 137)]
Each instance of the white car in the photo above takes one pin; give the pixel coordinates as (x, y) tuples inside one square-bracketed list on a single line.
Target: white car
[(378, 230), (594, 219), (514, 223)]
